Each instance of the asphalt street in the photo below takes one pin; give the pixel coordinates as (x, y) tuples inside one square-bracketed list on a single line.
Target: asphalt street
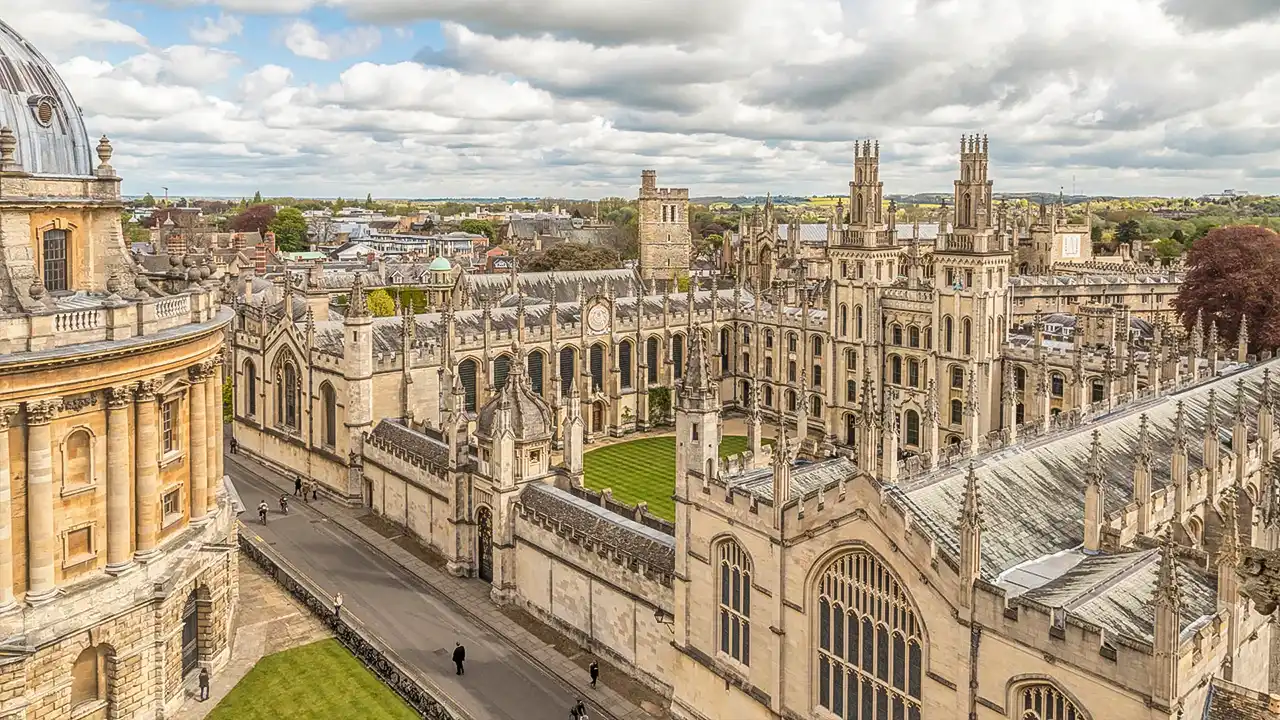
[(405, 612)]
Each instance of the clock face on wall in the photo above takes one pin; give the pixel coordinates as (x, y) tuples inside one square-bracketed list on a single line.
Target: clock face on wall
[(598, 318)]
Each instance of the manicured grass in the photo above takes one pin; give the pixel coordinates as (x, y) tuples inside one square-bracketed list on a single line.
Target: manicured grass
[(644, 470), (320, 681)]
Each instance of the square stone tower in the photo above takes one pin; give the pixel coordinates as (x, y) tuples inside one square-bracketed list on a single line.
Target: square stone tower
[(665, 241)]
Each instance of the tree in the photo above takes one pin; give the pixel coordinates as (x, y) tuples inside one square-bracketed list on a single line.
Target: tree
[(571, 256), (479, 227), (257, 197), (1095, 233), (381, 304), (1167, 249), (1233, 272), (254, 219), (1128, 231), (290, 229), (368, 201), (135, 233), (148, 200), (1179, 236)]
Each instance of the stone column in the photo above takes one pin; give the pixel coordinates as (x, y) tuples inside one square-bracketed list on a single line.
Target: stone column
[(6, 515), (213, 420), (40, 535), (147, 473), (198, 434), (119, 540)]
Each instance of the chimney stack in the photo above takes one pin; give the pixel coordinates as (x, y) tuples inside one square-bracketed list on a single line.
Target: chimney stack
[(260, 259)]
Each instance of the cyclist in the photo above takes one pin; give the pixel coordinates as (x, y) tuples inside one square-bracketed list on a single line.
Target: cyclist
[(284, 503), (262, 512)]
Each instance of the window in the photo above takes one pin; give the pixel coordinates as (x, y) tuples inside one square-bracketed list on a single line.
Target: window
[(913, 373), (913, 336), (329, 411), (287, 388), (791, 371), (1056, 381), (535, 363), (768, 338), (677, 355), (870, 642), (1020, 378), (568, 372), (817, 346), (250, 388), (957, 412), (897, 334), (624, 364), (844, 320), (768, 396), (651, 359), (857, 321), (851, 360), (815, 406), (791, 401), (850, 391), (77, 459), (768, 367), (86, 685), (170, 503), (1019, 412), (467, 373), (746, 363), (79, 545), (1097, 391), (948, 333), (724, 349), (791, 342), (169, 426), (501, 369), (735, 602), (1045, 702), (957, 377), (895, 369), (55, 260), (817, 376), (746, 335), (967, 334), (913, 427), (597, 367), (844, 269)]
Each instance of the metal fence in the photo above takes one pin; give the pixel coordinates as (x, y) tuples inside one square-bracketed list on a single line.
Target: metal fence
[(429, 701)]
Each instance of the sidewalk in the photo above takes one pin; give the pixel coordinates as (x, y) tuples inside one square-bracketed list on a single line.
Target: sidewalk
[(471, 597)]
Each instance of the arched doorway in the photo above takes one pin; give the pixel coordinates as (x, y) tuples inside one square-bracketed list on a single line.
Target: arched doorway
[(190, 634), (850, 429), (484, 540), (597, 416)]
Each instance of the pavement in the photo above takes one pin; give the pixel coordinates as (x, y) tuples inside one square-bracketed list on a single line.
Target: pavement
[(421, 611)]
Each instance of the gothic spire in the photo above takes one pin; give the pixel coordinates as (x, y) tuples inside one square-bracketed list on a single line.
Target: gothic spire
[(971, 507), (1167, 578), (358, 303), (1144, 441), (697, 373), (1230, 553), (1180, 429), (1240, 401), (1095, 460), (1211, 413)]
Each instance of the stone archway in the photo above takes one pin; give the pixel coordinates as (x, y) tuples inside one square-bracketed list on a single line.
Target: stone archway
[(191, 634), (484, 544)]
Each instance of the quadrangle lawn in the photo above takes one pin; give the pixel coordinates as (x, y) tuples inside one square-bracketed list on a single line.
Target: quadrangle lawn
[(320, 681), (645, 470)]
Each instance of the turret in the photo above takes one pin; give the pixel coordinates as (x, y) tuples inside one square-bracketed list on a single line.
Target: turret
[(1211, 444), (970, 537), (1178, 470), (1094, 498), (357, 370), (1142, 476), (697, 415), (1242, 340), (1167, 603), (1240, 433), (783, 453)]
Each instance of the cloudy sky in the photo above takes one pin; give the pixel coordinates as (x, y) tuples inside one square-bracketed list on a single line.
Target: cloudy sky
[(433, 98)]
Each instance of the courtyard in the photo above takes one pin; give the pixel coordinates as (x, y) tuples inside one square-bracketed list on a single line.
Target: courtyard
[(644, 469)]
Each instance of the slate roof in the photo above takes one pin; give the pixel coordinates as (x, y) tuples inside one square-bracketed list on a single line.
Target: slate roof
[(1033, 495), (805, 478), (1228, 701), (1114, 592), (653, 547), (542, 286), (1041, 280), (530, 416), (427, 446)]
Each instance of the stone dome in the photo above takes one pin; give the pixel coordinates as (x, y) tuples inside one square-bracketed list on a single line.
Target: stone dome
[(37, 106), (440, 264), (529, 415)]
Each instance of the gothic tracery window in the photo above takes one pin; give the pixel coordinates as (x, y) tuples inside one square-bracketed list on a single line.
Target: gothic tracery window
[(1046, 702), (735, 602), (870, 642)]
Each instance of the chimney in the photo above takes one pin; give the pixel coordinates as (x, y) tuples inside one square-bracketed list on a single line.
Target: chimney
[(176, 244), (237, 241), (270, 237), (260, 259)]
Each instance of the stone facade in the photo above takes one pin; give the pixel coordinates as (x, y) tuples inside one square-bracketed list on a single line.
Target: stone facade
[(665, 241), (117, 554)]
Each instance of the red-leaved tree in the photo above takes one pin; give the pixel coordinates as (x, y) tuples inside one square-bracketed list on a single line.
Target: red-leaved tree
[(254, 219), (1233, 272)]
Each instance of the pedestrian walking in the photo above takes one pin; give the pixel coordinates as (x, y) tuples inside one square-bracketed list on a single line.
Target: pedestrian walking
[(595, 672), (204, 684), (235, 446), (459, 654), (297, 486), (337, 605), (315, 486)]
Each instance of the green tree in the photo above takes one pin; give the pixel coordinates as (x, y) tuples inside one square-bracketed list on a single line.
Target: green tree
[(1167, 248), (479, 227), (135, 233), (682, 283), (290, 229), (368, 201), (1128, 231), (338, 204), (1095, 233), (148, 200), (381, 304), (228, 400), (571, 256), (257, 197), (659, 405), (1179, 236)]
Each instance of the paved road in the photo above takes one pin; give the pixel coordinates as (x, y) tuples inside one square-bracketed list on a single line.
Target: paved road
[(405, 612)]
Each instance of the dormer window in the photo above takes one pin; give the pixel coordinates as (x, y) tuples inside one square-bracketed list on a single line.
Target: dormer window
[(55, 260)]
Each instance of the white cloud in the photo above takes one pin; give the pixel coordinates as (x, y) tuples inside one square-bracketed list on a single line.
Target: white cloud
[(215, 31), (58, 27), (305, 40)]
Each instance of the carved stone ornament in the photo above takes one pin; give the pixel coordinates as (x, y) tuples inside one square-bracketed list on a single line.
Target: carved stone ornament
[(79, 402), (7, 413), (146, 390), (41, 412), (119, 396), (1260, 578), (201, 371)]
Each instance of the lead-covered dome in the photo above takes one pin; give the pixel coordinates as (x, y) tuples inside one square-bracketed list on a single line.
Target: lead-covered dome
[(38, 108), (516, 406)]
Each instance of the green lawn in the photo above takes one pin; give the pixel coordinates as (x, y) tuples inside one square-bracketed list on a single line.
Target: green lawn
[(320, 681), (644, 470)]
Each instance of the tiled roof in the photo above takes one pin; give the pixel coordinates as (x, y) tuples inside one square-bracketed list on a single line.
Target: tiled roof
[(1228, 701), (429, 447), (655, 548), (805, 478)]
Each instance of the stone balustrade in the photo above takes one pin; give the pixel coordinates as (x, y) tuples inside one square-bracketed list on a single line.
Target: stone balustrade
[(120, 320)]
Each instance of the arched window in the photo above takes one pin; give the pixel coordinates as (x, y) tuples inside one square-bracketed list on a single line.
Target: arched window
[(870, 642), (1097, 390), (895, 369), (86, 677), (77, 458), (597, 367), (677, 355), (957, 412), (536, 362), (55, 260), (501, 369), (857, 321), (735, 602), (966, 331), (1019, 378), (1056, 382), (724, 349), (651, 358), (957, 377), (568, 369), (1019, 412), (913, 336), (851, 360), (1042, 701), (844, 320), (817, 375), (817, 346), (467, 374), (850, 391), (287, 389), (768, 396), (768, 367), (329, 414), (792, 339), (250, 403), (746, 334), (896, 334), (850, 429), (913, 373), (624, 364), (815, 406), (912, 424), (768, 338), (948, 333), (791, 401)]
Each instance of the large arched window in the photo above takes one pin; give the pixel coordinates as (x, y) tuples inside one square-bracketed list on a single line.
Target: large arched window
[(287, 388), (870, 642), (329, 413), (467, 374), (55, 260), (857, 321), (597, 367), (1042, 701), (677, 355), (912, 425), (724, 349), (501, 369), (536, 362), (624, 364), (250, 403), (844, 320), (651, 359), (568, 369), (948, 333), (735, 602)]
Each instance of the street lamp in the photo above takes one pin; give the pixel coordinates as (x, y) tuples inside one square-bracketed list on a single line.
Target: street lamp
[(665, 618)]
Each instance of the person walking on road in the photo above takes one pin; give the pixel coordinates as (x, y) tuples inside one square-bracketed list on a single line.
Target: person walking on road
[(337, 605), (595, 672), (204, 684), (234, 446), (297, 486), (459, 654)]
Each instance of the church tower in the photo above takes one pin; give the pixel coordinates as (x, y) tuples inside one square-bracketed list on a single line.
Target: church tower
[(357, 369), (665, 240)]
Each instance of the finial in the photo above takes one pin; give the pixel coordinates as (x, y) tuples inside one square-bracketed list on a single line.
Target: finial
[(1167, 578), (1144, 440), (971, 509), (104, 153), (1211, 412), (1180, 428), (1095, 459)]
